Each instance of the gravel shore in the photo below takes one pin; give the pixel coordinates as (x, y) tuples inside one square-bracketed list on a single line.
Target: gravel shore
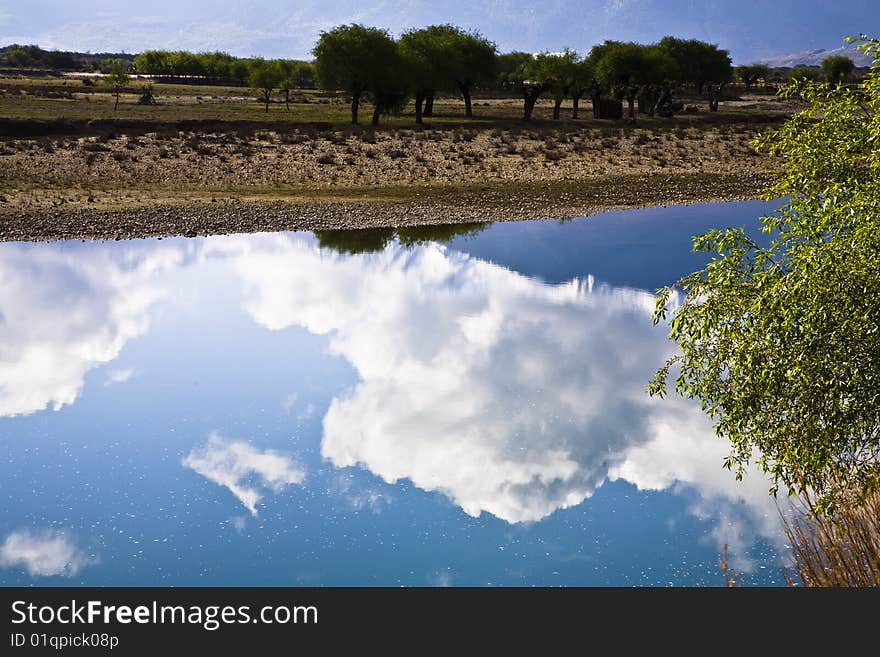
[(440, 206)]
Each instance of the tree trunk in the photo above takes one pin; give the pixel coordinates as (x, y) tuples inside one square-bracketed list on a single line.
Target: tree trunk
[(466, 94), (557, 106), (597, 105), (631, 104), (355, 103), (530, 97), (429, 105), (419, 100), (287, 99), (575, 106), (266, 98), (375, 114), (117, 102)]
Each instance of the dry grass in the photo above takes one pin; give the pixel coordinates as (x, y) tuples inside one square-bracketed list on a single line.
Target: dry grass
[(837, 545)]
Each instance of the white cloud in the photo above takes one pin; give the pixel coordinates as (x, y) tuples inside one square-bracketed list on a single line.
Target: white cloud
[(505, 394), (118, 376), (65, 311), (245, 470), (43, 553)]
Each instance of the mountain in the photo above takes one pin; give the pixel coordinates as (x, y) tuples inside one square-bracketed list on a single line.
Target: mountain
[(815, 57)]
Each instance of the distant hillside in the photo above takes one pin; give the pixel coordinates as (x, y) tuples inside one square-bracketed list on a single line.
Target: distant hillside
[(815, 57)]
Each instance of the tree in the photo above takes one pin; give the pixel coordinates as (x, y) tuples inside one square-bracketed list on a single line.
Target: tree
[(811, 73), (837, 69), (474, 62), (356, 60), (539, 74), (264, 77), (627, 68), (117, 78), (780, 342), (153, 62), (749, 75), (291, 74), (447, 57), (562, 77), (428, 56), (582, 80), (698, 63), (510, 67)]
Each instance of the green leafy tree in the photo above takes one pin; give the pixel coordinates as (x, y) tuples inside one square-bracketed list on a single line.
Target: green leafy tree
[(445, 57), (626, 68), (749, 75), (539, 74), (358, 60), (698, 63), (510, 69), (264, 77), (780, 342), (428, 55), (837, 69), (581, 81), (562, 78), (475, 62), (291, 74), (811, 73), (153, 62), (216, 65), (117, 78)]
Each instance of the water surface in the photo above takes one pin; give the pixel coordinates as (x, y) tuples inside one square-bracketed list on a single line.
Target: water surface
[(412, 407)]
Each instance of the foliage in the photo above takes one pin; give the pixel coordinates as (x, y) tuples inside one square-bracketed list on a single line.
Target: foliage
[(356, 60), (837, 68), (781, 342), (697, 62), (117, 78), (511, 67), (622, 65), (750, 74), (445, 57), (264, 77), (811, 73), (31, 56)]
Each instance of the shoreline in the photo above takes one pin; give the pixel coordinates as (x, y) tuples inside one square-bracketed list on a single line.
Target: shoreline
[(378, 208)]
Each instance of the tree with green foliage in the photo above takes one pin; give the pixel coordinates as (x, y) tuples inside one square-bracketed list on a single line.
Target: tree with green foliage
[(358, 60), (510, 67), (626, 68), (474, 62), (445, 57), (291, 74), (264, 77), (429, 63), (117, 78), (779, 338), (561, 68), (811, 73), (749, 75), (216, 65), (539, 74), (837, 69), (698, 63), (153, 62), (581, 81)]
